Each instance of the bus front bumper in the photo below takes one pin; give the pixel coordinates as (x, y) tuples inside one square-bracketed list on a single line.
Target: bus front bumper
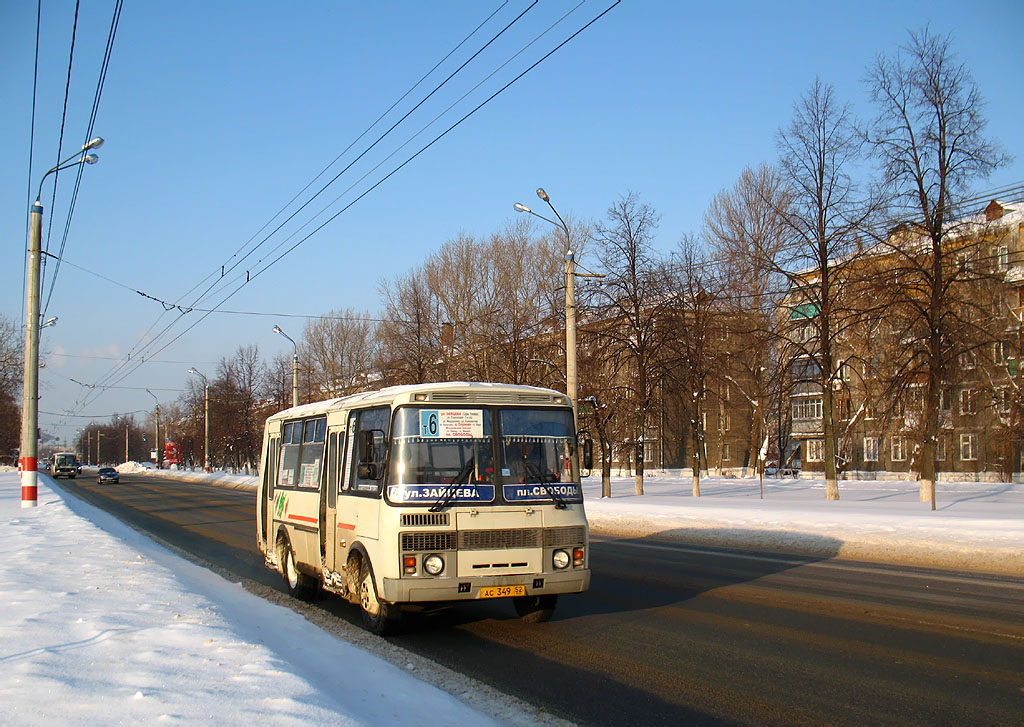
[(405, 590)]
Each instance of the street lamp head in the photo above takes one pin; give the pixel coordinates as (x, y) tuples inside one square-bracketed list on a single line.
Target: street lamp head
[(50, 322), (91, 158), (192, 371), (542, 194), (94, 144), (277, 329), (521, 208)]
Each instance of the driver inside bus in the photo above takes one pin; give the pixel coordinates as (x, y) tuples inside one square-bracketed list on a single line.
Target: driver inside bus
[(525, 461)]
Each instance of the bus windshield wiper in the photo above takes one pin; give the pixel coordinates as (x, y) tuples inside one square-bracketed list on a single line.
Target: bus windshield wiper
[(534, 471), (460, 479)]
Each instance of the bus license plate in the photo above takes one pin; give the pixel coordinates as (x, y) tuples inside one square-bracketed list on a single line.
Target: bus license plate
[(502, 591)]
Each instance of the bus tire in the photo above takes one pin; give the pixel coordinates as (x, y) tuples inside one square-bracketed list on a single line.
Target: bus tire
[(299, 585), (535, 609), (378, 617)]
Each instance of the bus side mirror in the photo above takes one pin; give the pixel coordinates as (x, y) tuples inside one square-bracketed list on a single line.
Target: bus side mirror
[(366, 447), (369, 467), (588, 454)]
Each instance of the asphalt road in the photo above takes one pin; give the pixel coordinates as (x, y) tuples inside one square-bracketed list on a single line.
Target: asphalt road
[(672, 634)]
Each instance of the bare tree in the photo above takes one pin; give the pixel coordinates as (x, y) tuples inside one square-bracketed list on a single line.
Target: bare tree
[(631, 301), (747, 233), (695, 325), (818, 149), (339, 349), (236, 408), (929, 138), (11, 369), (410, 336)]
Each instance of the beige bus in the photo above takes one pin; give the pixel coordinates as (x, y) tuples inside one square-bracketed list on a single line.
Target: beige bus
[(438, 492)]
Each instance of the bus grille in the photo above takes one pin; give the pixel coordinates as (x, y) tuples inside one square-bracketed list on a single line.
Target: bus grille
[(564, 536), (427, 541), (496, 539), (424, 519)]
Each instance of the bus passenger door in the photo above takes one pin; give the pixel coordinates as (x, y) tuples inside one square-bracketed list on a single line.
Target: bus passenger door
[(269, 485), (345, 513), (329, 534)]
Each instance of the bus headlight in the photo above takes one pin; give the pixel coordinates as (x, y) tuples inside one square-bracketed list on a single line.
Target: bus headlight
[(560, 559), (433, 564)]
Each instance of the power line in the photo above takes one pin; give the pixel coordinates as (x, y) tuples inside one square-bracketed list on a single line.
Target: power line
[(90, 127), (249, 278), (156, 338)]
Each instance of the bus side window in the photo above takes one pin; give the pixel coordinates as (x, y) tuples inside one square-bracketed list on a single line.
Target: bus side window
[(345, 465)]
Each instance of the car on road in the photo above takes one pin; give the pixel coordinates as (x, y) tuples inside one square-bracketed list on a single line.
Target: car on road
[(107, 474)]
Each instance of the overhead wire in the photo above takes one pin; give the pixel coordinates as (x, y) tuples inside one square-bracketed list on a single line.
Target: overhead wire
[(249, 278), (390, 174), (90, 128), (60, 139), (31, 148), (153, 340)]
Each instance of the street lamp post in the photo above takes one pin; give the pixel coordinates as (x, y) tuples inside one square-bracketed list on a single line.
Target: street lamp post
[(206, 406), (156, 427), (570, 299), (28, 456), (295, 366)]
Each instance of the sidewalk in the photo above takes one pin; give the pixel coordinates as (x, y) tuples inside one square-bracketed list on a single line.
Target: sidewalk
[(101, 625)]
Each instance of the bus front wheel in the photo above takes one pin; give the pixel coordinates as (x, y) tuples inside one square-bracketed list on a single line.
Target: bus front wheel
[(378, 617), (535, 609)]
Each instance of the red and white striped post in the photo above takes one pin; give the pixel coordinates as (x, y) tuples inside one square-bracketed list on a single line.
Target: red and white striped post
[(28, 460)]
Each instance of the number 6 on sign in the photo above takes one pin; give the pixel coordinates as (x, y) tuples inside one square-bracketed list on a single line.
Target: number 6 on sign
[(428, 423)]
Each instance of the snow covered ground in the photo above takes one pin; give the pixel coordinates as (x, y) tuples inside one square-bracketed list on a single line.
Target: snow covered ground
[(100, 625), (103, 625)]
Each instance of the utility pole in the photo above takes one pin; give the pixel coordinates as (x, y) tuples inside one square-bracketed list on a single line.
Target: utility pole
[(28, 458)]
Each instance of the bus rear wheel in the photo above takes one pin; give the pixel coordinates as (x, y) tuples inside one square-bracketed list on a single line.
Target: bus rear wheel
[(299, 584), (535, 609), (378, 617)]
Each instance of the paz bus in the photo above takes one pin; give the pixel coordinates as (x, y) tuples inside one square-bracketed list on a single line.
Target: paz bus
[(436, 492)]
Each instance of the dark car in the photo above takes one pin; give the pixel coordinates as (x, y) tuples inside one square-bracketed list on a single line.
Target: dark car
[(107, 474)]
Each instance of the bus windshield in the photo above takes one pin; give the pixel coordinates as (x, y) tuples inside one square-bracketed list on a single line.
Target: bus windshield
[(532, 459)]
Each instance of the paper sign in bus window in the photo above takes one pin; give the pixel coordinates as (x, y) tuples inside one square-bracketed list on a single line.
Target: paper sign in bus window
[(451, 423)]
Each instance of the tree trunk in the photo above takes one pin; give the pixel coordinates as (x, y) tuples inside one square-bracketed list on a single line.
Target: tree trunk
[(831, 481), (696, 465), (638, 486), (606, 468)]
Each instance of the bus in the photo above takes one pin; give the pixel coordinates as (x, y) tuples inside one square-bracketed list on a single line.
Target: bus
[(430, 493), (64, 464)]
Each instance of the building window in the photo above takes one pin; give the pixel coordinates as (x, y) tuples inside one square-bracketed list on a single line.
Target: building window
[(945, 399), (807, 409), (725, 421), (815, 450), (1002, 257), (870, 449), (1000, 352), (968, 447), (898, 449), (1003, 400), (967, 401), (843, 407), (967, 360), (725, 452), (724, 393), (940, 449)]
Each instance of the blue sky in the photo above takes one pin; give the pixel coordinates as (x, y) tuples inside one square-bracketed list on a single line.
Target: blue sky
[(217, 114)]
